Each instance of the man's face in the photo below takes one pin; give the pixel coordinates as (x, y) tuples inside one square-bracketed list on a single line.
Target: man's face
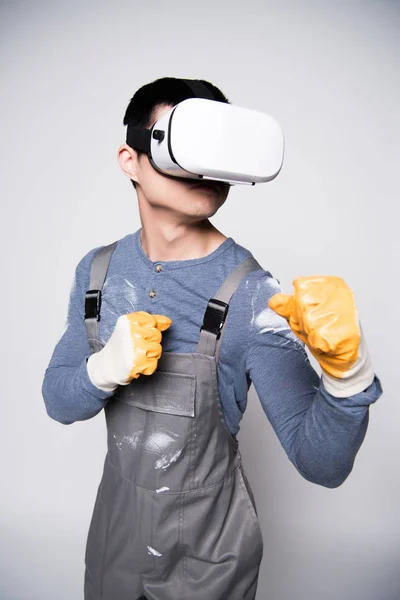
[(177, 195)]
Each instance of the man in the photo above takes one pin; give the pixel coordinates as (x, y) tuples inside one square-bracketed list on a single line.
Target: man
[(175, 516)]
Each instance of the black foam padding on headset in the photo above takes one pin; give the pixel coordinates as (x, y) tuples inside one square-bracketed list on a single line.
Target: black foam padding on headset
[(199, 89), (138, 138)]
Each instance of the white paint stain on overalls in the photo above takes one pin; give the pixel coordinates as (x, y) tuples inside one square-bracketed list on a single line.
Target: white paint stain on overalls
[(162, 489), (167, 459), (131, 440), (160, 440), (153, 551), (156, 442)]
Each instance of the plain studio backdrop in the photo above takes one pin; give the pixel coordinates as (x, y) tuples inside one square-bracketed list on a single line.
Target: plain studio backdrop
[(328, 71)]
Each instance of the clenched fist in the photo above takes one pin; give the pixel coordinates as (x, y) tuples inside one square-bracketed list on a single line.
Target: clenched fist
[(323, 314), (133, 349)]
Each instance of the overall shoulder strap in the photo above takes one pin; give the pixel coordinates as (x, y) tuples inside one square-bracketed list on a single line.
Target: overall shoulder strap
[(212, 329), (98, 272)]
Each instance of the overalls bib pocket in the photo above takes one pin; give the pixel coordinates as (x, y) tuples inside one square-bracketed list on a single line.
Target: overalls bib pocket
[(163, 392), (152, 430)]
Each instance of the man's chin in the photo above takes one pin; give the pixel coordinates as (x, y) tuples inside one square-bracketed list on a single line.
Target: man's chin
[(203, 212)]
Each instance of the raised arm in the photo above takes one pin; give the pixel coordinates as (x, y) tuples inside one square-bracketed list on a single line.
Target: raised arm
[(77, 383), (67, 390), (321, 433)]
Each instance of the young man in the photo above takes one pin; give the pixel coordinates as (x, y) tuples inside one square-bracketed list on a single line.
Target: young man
[(175, 516)]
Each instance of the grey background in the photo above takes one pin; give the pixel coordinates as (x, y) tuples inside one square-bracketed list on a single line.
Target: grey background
[(329, 73)]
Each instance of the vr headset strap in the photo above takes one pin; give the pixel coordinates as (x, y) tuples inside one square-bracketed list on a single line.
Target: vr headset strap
[(199, 89), (140, 138)]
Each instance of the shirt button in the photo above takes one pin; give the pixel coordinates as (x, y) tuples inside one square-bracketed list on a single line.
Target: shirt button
[(158, 268), (153, 294)]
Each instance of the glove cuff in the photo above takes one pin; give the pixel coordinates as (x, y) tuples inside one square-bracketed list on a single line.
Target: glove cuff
[(356, 379), (96, 371)]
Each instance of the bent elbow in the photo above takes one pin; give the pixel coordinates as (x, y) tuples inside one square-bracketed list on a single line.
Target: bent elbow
[(332, 479), (59, 418), (333, 482), (52, 409), (56, 415)]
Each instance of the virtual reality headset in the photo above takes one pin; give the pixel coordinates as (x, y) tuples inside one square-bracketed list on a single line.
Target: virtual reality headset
[(201, 138)]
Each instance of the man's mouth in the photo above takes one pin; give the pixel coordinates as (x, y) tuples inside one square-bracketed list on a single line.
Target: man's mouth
[(214, 186)]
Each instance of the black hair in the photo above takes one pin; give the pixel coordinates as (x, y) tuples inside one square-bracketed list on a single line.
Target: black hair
[(164, 91)]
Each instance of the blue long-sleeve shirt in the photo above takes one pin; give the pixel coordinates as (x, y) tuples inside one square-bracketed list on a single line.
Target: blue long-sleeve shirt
[(321, 434)]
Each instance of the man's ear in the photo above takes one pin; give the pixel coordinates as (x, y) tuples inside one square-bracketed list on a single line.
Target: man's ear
[(128, 161)]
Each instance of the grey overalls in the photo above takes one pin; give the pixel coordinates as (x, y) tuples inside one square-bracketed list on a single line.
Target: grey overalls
[(175, 517)]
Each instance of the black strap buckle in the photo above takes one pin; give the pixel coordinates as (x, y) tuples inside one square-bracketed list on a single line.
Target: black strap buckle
[(92, 304), (215, 316)]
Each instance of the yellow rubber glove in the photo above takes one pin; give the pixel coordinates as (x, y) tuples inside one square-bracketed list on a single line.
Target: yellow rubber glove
[(133, 349), (323, 314)]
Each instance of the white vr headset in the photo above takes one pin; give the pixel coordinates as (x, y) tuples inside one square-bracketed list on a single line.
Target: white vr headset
[(201, 138)]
